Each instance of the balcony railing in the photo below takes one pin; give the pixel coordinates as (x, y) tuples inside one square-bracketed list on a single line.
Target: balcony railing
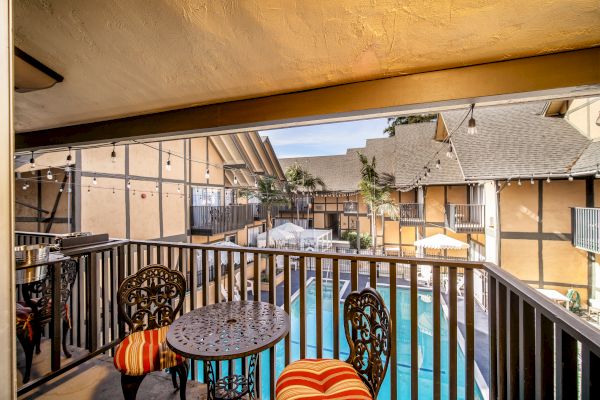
[(536, 349), (585, 227), (212, 220), (465, 218), (411, 214)]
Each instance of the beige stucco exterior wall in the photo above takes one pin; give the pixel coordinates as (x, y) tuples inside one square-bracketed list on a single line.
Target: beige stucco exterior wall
[(434, 204), (104, 212), (559, 196), (520, 258), (519, 208)]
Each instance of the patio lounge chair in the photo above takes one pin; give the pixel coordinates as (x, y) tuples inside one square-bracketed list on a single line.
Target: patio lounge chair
[(148, 302), (368, 332), (225, 293), (424, 276)]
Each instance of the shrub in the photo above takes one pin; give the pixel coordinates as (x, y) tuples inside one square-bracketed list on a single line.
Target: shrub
[(351, 236)]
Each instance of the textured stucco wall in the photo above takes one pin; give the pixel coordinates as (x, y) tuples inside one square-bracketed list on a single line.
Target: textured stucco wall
[(127, 57)]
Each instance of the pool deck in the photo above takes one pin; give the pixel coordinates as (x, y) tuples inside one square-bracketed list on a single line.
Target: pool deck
[(481, 319)]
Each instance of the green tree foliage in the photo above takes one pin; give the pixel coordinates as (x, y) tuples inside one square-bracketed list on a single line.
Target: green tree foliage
[(405, 120)]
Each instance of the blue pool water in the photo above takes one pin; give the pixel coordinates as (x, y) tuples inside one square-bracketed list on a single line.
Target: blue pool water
[(402, 340)]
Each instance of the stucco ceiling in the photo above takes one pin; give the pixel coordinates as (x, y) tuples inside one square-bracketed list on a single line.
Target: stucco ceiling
[(130, 57)]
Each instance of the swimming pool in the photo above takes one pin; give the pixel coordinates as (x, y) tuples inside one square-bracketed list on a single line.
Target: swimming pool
[(425, 312)]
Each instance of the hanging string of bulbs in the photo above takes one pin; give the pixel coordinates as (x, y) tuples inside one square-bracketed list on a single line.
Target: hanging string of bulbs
[(450, 153), (68, 168)]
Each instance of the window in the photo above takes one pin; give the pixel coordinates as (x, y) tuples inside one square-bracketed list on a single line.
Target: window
[(230, 238), (206, 196), (230, 197), (253, 234)]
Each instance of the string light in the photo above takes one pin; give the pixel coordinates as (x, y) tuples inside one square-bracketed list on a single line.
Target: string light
[(25, 186), (156, 187), (113, 190), (508, 182), (548, 179), (129, 184), (207, 174), (570, 178), (472, 125), (61, 189), (113, 154), (95, 181), (598, 171), (235, 180), (88, 189), (438, 164), (168, 166), (69, 158), (178, 189), (49, 174), (450, 152), (32, 161), (531, 180), (519, 182)]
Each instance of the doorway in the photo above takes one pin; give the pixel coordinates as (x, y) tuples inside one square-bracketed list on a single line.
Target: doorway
[(332, 222)]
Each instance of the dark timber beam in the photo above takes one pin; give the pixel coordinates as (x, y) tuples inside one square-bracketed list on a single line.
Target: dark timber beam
[(566, 74)]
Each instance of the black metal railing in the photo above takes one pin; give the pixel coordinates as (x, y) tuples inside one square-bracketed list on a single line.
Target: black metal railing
[(585, 227), (465, 218), (536, 349), (212, 220), (411, 214)]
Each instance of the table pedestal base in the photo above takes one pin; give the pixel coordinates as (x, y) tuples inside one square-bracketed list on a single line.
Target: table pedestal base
[(233, 386)]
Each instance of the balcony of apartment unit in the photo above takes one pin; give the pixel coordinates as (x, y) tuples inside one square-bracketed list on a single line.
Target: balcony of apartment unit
[(465, 218), (459, 329), (411, 214), (585, 227), (212, 220)]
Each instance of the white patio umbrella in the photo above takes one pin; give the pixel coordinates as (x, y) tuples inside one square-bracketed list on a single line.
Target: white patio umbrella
[(275, 235), (290, 227), (223, 254), (440, 242)]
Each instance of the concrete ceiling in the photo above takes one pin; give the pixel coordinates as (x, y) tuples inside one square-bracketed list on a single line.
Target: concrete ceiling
[(123, 58)]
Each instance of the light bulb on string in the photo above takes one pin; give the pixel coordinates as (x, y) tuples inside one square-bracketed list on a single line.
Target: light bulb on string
[(519, 182), (450, 152), (49, 174), (32, 161), (570, 178), (508, 182), (95, 181), (129, 184), (88, 189), (597, 171), (207, 174), (235, 179), (69, 157), (548, 179), (61, 189), (113, 190), (178, 189), (531, 180), (25, 186), (168, 166), (156, 187), (438, 164), (472, 125), (113, 154)]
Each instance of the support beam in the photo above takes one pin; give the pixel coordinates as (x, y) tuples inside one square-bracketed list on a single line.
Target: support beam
[(8, 377), (548, 76)]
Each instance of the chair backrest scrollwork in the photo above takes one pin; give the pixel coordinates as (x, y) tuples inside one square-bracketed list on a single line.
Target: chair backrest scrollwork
[(151, 298), (368, 332)]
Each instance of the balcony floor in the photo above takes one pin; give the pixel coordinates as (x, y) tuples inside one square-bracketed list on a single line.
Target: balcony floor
[(98, 379)]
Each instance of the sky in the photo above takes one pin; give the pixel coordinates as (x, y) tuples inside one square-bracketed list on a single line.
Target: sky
[(324, 139)]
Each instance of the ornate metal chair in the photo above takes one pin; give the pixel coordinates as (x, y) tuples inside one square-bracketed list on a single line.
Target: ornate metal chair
[(36, 311), (149, 301), (368, 332)]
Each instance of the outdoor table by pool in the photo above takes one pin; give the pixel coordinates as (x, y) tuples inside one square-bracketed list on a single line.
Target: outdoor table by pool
[(227, 331), (554, 295)]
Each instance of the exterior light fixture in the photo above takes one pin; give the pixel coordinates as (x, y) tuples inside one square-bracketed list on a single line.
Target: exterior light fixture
[(438, 165), (472, 125), (69, 157), (168, 166), (49, 175), (95, 181), (450, 152), (113, 155), (32, 161)]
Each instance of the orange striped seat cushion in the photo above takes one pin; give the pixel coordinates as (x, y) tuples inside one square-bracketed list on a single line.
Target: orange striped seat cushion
[(321, 379), (145, 351)]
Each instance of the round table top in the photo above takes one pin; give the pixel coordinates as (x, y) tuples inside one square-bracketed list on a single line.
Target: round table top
[(229, 330)]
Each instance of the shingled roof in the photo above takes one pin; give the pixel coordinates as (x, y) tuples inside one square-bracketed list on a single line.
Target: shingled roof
[(512, 141), (515, 140)]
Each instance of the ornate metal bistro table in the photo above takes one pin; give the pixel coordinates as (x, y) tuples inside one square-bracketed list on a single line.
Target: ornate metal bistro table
[(227, 331)]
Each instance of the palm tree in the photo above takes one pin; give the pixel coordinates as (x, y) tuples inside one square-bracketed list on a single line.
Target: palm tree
[(269, 193), (376, 190), (300, 180)]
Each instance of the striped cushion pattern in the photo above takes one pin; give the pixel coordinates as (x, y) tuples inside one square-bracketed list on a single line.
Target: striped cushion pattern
[(145, 351), (320, 379)]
